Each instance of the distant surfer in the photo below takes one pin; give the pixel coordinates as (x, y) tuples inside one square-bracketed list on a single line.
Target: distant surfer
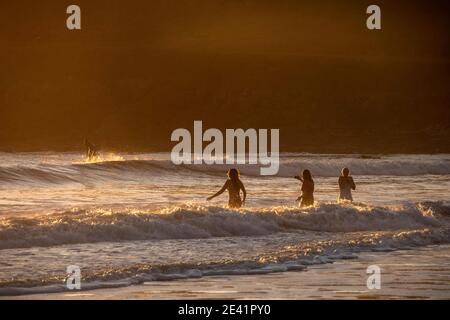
[(346, 185), (307, 197), (234, 186), (91, 150)]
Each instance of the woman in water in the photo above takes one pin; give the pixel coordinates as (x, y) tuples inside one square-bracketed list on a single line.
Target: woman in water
[(307, 197), (234, 185), (346, 184)]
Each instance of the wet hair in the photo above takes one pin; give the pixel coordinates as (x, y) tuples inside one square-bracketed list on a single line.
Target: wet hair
[(345, 172), (233, 174), (307, 175)]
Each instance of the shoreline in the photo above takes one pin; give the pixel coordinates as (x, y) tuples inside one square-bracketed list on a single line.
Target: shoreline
[(420, 273), (114, 149)]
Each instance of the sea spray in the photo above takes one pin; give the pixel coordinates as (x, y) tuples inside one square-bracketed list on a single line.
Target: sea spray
[(193, 222)]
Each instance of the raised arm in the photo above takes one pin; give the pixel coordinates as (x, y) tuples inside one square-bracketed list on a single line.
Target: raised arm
[(298, 178), (218, 193)]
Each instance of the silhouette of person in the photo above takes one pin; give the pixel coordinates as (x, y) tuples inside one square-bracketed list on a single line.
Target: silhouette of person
[(346, 185), (307, 197), (234, 185), (91, 150)]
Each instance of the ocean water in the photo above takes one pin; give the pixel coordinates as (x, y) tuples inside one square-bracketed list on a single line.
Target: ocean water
[(131, 218)]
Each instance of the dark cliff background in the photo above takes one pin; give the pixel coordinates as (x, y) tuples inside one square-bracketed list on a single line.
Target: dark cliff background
[(139, 69)]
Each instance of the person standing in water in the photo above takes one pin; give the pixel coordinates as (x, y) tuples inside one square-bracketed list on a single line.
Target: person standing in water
[(91, 150), (234, 186), (346, 185), (307, 197)]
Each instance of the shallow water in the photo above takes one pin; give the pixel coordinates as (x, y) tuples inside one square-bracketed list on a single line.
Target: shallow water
[(136, 217), (422, 273)]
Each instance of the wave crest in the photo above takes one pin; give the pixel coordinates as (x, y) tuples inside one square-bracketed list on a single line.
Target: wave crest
[(125, 170), (190, 222)]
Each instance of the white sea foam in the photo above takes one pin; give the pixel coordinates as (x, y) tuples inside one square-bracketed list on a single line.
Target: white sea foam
[(191, 222), (116, 232), (291, 258), (128, 169)]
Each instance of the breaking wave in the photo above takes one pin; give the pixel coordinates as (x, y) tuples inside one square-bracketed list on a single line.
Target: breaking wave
[(193, 222), (126, 170)]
